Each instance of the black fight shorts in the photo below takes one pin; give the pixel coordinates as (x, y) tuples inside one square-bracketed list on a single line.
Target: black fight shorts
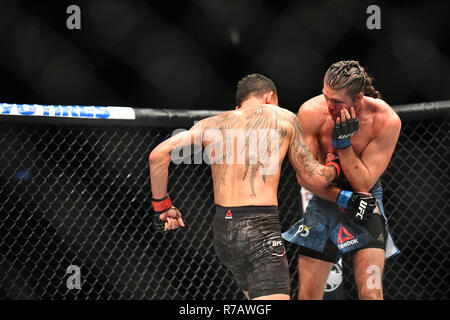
[(248, 241)]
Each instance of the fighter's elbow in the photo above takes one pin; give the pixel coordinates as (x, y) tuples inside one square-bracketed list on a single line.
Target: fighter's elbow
[(153, 157), (319, 184), (365, 186), (313, 184), (362, 185), (157, 157)]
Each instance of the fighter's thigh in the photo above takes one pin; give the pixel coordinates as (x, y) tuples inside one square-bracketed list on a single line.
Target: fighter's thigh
[(269, 274), (269, 270), (368, 266), (274, 297), (313, 275)]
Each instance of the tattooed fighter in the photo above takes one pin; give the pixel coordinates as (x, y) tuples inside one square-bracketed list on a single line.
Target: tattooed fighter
[(245, 148)]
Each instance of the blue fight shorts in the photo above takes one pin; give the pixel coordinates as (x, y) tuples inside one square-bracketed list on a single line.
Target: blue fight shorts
[(326, 233)]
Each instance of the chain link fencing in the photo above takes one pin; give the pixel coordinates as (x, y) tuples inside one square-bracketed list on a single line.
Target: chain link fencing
[(78, 194)]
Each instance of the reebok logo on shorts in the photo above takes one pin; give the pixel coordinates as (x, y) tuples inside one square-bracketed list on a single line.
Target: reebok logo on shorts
[(347, 235), (229, 215), (345, 238)]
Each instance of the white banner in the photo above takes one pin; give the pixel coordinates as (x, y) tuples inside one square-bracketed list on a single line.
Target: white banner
[(86, 112)]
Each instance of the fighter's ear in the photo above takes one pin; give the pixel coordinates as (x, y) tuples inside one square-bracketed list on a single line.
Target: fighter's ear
[(359, 96), (236, 108), (270, 98)]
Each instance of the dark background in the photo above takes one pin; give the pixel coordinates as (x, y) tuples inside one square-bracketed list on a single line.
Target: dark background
[(79, 194), (190, 54)]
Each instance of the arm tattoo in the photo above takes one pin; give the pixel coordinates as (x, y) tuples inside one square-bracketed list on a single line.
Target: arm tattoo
[(302, 158)]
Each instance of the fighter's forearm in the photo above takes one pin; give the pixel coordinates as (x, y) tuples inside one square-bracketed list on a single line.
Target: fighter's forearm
[(356, 172), (329, 193), (314, 176), (159, 173), (318, 179)]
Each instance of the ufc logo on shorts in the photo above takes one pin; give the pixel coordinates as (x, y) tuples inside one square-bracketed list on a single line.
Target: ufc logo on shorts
[(361, 209), (277, 243)]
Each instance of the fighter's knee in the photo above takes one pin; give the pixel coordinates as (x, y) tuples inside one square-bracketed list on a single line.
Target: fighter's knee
[(310, 294), (366, 293), (307, 296)]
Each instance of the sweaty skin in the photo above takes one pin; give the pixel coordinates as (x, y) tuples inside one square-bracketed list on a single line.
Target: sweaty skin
[(256, 184), (372, 146), (362, 163), (245, 149), (241, 181)]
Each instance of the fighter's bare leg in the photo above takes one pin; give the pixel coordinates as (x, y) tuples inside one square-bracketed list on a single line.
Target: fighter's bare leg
[(313, 275), (368, 265), (280, 296)]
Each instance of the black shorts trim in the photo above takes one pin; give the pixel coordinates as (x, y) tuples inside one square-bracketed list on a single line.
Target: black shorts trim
[(245, 210), (375, 226)]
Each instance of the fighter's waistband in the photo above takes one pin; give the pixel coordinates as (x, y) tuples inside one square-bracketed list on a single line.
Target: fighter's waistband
[(247, 210)]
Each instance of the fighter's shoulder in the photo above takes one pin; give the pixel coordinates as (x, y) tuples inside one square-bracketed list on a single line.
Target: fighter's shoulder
[(282, 112), (291, 120), (314, 102), (386, 119), (313, 114), (217, 120), (312, 107), (384, 113)]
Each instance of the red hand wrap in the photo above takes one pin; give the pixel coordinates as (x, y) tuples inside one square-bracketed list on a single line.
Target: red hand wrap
[(162, 205), (338, 168), (331, 161)]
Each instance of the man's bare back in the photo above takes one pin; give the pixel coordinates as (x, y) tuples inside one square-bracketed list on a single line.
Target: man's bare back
[(246, 149)]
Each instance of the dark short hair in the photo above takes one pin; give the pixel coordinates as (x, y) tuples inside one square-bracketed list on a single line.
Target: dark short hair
[(349, 74), (253, 85)]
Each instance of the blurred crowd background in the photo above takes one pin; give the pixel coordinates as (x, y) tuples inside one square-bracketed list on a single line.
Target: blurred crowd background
[(190, 54)]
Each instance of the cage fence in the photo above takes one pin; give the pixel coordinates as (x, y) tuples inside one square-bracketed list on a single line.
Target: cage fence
[(78, 194)]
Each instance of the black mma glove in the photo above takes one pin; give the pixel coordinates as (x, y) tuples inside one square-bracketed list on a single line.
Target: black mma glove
[(361, 206), (342, 133)]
